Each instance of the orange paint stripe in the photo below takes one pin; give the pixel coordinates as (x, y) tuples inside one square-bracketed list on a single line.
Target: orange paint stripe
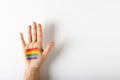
[(32, 51)]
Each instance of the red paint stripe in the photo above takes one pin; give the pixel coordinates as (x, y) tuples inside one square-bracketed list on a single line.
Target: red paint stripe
[(32, 49)]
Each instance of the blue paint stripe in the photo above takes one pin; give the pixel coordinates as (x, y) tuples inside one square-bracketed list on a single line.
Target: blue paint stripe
[(32, 56)]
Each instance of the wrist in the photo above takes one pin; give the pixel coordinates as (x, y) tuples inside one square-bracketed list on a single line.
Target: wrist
[(32, 73), (32, 68)]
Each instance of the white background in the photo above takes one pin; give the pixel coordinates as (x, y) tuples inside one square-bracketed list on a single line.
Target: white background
[(86, 32)]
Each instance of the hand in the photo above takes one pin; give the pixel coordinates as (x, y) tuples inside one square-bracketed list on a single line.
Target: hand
[(35, 42)]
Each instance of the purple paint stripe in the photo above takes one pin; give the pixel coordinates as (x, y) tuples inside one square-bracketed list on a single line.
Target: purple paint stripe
[(31, 58)]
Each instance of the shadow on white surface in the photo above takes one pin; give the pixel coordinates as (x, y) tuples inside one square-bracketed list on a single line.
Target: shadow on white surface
[(49, 35)]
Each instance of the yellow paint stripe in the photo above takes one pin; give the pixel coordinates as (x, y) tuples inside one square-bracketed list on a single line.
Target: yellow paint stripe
[(32, 52)]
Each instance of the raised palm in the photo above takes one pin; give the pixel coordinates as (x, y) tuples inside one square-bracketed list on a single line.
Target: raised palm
[(35, 41)]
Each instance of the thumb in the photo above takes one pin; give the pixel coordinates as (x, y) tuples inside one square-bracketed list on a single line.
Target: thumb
[(48, 48)]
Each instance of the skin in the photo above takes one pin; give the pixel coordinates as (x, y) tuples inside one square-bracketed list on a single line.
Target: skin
[(32, 68)]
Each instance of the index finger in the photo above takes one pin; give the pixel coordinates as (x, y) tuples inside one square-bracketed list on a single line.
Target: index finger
[(39, 36)]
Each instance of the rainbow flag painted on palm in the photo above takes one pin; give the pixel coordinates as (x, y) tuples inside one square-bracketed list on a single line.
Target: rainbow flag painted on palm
[(32, 53)]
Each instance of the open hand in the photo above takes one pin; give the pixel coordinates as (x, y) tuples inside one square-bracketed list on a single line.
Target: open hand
[(33, 51)]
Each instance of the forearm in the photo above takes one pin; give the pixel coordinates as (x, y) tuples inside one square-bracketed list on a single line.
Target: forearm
[(34, 52), (32, 74)]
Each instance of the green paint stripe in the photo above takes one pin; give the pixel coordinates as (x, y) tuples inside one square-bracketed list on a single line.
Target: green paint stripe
[(32, 54)]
